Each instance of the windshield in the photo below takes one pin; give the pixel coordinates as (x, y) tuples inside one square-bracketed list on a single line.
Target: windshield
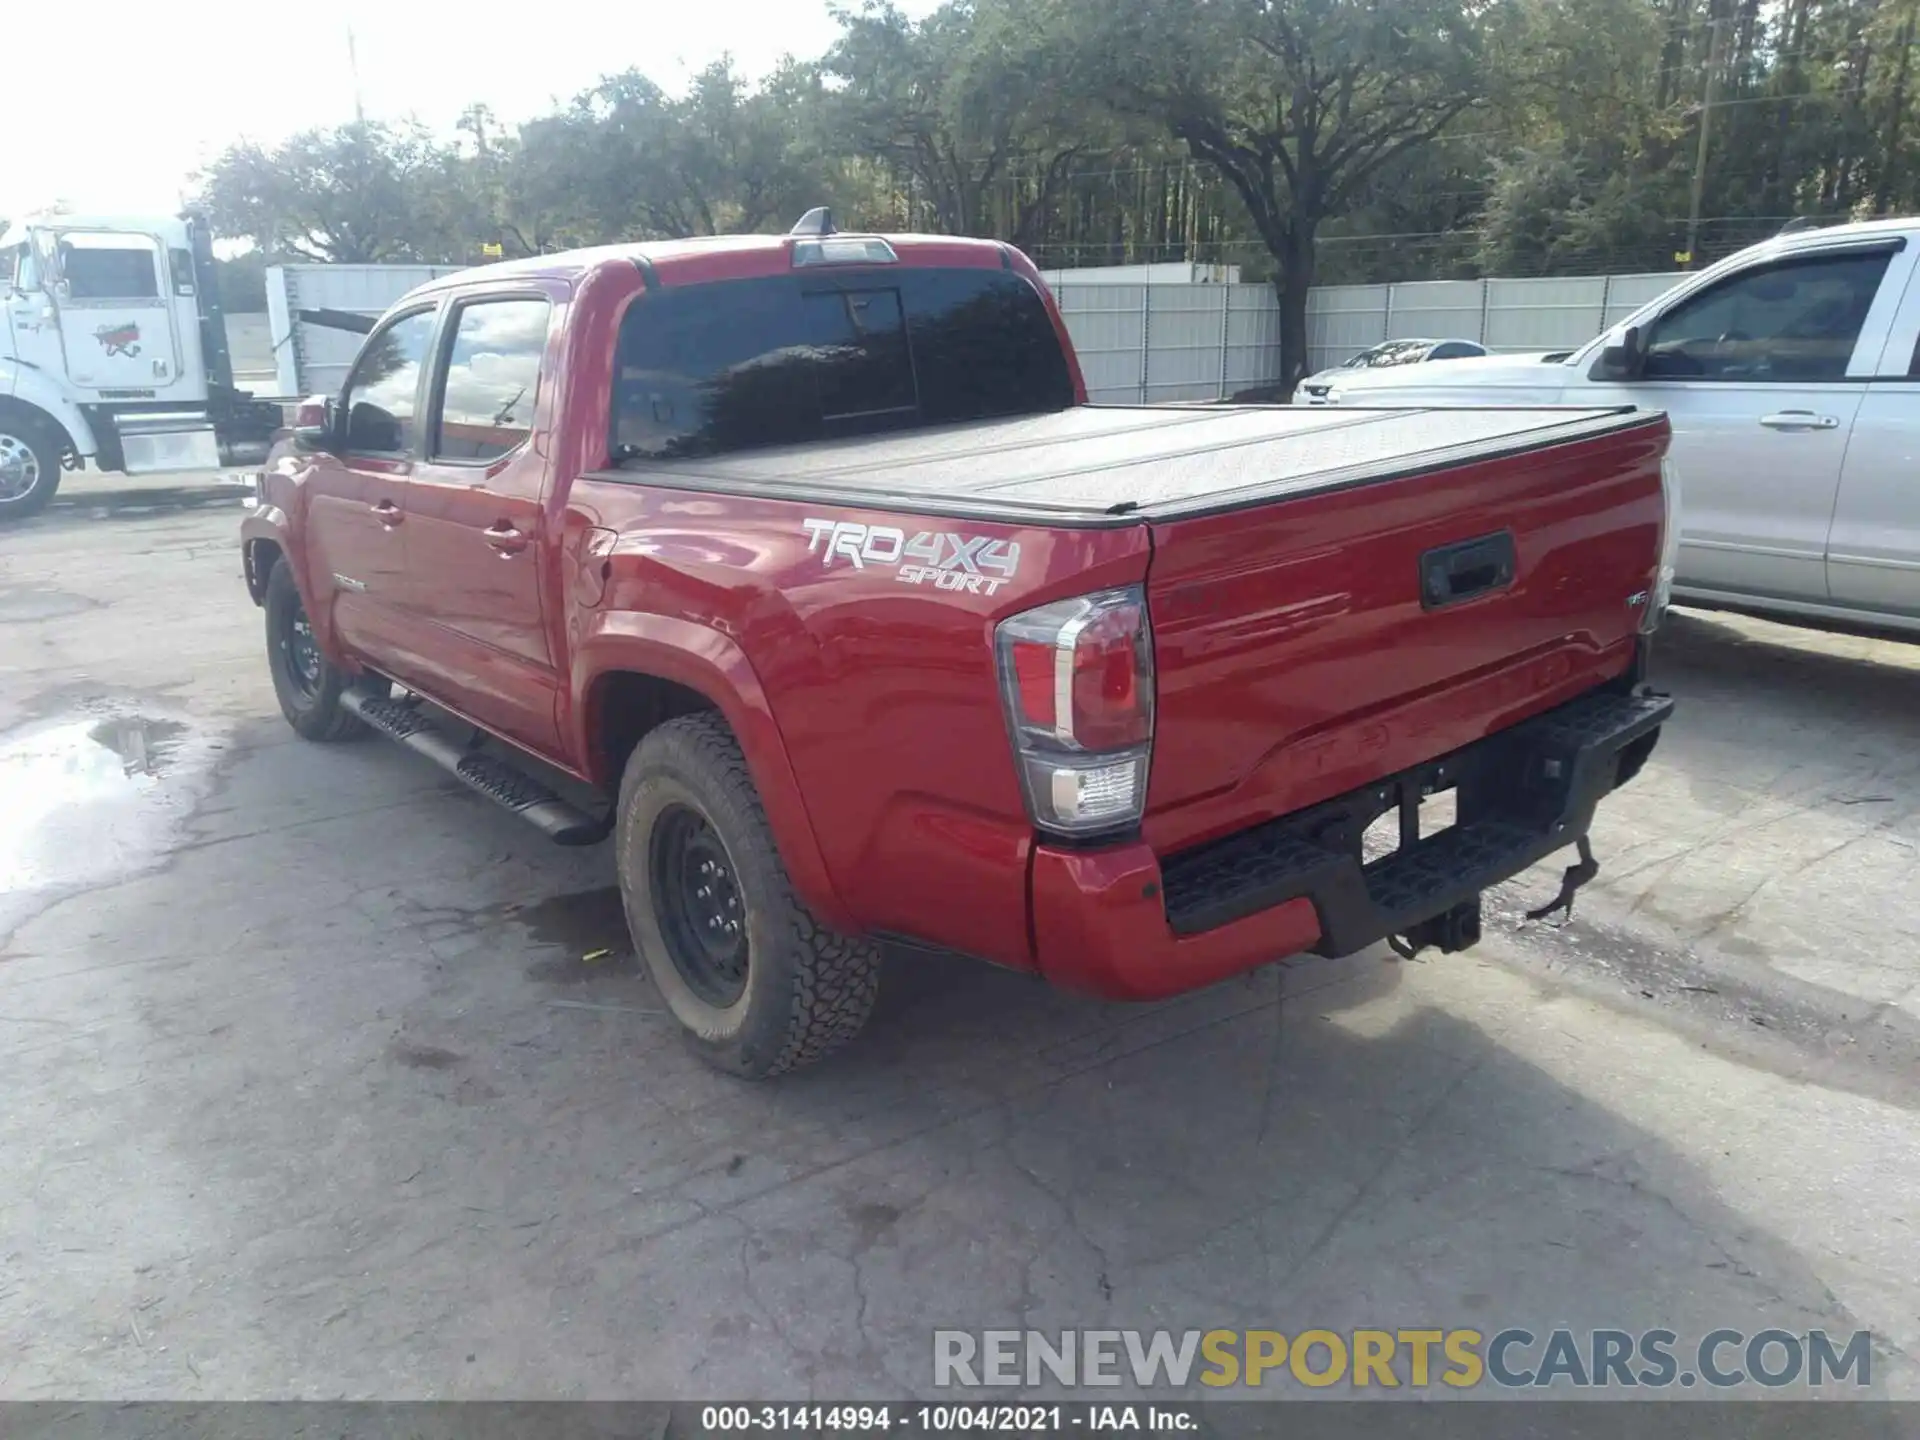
[(1394, 352)]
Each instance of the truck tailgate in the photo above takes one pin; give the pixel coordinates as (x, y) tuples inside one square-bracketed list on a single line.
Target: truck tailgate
[(1311, 642)]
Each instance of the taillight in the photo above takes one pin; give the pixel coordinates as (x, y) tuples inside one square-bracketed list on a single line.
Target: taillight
[(1077, 680)]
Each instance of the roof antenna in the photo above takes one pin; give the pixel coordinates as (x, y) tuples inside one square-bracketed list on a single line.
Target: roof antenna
[(1797, 224), (817, 221)]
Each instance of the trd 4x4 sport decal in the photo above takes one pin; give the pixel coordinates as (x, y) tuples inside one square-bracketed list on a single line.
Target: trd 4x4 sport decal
[(974, 564)]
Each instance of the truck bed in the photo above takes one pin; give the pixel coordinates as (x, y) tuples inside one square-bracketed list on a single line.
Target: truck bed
[(1101, 464)]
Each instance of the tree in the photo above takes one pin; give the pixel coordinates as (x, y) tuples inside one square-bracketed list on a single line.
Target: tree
[(971, 105), (362, 192), (1299, 104)]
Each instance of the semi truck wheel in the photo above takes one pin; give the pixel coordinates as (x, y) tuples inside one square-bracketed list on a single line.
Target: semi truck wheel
[(760, 985), (307, 685), (29, 466)]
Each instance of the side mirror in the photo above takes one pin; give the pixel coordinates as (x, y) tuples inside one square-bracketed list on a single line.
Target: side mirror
[(316, 427), (1624, 361)]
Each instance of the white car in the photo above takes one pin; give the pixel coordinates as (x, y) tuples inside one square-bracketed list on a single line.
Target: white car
[(1313, 389), (1791, 373)]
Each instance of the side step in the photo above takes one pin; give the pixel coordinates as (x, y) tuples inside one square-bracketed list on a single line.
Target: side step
[(501, 781)]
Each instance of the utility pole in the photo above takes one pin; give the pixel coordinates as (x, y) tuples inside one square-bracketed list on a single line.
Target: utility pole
[(353, 66), (1715, 28)]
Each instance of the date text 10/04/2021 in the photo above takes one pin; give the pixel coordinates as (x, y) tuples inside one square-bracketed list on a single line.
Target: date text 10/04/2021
[(942, 1419)]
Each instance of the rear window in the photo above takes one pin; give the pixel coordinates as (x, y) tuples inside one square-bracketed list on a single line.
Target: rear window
[(740, 363)]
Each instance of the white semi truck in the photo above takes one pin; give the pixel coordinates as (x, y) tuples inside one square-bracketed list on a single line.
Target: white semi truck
[(113, 352)]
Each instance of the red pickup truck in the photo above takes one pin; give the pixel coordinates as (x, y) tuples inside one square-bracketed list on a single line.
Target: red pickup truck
[(801, 566)]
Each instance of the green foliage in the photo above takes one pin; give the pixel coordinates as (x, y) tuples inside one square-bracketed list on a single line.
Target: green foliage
[(242, 283), (1307, 140)]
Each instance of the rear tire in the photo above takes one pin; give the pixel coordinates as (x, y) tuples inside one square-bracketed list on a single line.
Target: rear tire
[(760, 985), (30, 454), (307, 684)]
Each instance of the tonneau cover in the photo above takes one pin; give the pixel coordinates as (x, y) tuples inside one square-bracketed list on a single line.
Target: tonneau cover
[(1098, 463)]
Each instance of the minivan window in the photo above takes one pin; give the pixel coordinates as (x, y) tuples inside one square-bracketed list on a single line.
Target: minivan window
[(709, 368), (492, 378)]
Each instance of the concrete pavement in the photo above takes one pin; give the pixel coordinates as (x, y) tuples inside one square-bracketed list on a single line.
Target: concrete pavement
[(309, 1092)]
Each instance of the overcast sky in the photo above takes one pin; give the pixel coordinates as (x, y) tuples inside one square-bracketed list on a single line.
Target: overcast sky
[(117, 121)]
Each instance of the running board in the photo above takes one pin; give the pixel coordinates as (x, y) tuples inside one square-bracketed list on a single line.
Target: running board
[(501, 781)]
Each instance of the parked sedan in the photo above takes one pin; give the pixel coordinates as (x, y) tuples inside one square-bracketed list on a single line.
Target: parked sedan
[(1313, 389)]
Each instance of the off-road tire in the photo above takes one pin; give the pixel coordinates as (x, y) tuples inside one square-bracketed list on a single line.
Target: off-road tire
[(47, 447), (808, 989), (316, 714)]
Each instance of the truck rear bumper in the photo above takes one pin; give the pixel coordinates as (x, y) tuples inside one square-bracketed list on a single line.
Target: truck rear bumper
[(1121, 922)]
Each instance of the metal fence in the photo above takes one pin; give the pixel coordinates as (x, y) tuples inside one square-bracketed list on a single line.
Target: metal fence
[(1137, 342), (1550, 313), (1172, 342), (1140, 343)]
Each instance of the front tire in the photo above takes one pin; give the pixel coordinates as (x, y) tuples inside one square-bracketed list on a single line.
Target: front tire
[(307, 684), (29, 467), (760, 985)]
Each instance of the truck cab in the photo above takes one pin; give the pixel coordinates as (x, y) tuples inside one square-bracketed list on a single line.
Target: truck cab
[(113, 352)]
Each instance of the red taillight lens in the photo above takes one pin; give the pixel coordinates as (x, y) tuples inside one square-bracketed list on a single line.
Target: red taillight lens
[(1035, 672), (1110, 708), (1077, 677)]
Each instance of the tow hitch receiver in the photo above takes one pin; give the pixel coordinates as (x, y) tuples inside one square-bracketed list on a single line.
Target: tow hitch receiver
[(1448, 932)]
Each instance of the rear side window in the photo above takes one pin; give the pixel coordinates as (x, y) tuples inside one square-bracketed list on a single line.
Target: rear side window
[(492, 379), (741, 363)]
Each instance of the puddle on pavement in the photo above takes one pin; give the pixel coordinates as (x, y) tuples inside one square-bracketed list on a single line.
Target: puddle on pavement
[(579, 925), (93, 795)]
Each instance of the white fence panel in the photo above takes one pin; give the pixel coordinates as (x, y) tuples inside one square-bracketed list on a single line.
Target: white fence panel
[(1108, 326), (1184, 342), (1343, 320), (1627, 293), (1253, 337), (1435, 310), (1544, 314)]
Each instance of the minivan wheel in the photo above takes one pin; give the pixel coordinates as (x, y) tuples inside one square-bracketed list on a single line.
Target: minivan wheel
[(760, 986)]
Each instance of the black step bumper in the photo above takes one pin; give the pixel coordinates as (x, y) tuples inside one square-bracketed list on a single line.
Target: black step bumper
[(1520, 795)]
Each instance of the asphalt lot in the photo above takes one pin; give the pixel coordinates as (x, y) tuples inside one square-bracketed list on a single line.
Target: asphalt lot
[(306, 1089)]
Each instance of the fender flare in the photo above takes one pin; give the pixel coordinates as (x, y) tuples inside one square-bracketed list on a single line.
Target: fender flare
[(712, 664), (31, 388), (266, 524)]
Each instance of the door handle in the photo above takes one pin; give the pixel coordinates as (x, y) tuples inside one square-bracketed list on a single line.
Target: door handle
[(505, 538), (388, 513), (1799, 420)]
